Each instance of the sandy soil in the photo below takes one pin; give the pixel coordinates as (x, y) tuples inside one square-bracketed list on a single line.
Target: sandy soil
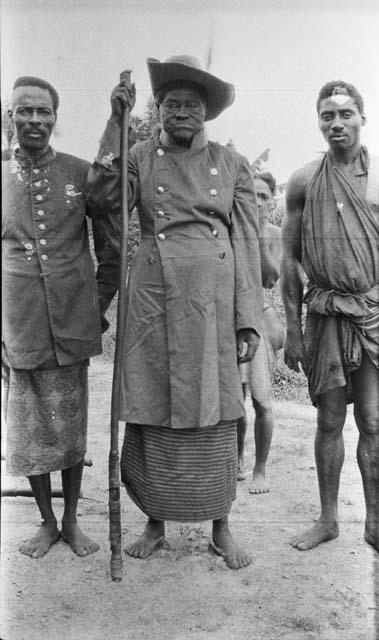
[(183, 591)]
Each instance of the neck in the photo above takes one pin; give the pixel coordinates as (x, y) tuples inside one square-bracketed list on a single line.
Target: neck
[(33, 154), (345, 156)]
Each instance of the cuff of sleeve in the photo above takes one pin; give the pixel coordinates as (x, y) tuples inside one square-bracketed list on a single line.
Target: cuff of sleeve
[(109, 145)]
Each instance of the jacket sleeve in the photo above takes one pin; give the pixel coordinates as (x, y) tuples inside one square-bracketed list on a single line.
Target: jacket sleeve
[(245, 242), (104, 207), (103, 179)]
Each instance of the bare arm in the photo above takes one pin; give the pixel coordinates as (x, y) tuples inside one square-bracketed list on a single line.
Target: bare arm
[(291, 271), (270, 247)]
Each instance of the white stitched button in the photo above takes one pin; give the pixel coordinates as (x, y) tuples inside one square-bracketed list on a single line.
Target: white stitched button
[(42, 226), (214, 171), (213, 192), (39, 197), (160, 152), (161, 236), (215, 232), (40, 212), (211, 213), (38, 184), (43, 241), (160, 213), (44, 256), (35, 170), (28, 246), (160, 189)]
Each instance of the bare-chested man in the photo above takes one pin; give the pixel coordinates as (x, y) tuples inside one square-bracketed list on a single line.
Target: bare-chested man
[(331, 231), (257, 374)]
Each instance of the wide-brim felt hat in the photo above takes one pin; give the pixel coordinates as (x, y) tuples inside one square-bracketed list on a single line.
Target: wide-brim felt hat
[(187, 68)]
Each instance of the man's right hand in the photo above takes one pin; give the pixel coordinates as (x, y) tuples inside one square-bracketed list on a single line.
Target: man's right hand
[(294, 353), (122, 96)]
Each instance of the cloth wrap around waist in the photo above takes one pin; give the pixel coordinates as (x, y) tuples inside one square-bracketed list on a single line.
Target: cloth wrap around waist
[(340, 258)]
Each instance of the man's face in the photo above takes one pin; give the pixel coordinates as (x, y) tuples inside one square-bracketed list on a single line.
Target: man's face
[(340, 122), (265, 199), (182, 114), (33, 116)]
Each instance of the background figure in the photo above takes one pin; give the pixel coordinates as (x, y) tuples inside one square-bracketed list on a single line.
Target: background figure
[(257, 374), (331, 231), (52, 306), (194, 302)]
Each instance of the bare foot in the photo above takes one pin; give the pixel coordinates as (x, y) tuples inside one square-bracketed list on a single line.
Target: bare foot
[(371, 535), (259, 483), (81, 544), (224, 545), (320, 532), (241, 475), (38, 546), (152, 537)]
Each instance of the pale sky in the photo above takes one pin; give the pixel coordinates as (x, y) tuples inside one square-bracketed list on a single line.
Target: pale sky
[(277, 53)]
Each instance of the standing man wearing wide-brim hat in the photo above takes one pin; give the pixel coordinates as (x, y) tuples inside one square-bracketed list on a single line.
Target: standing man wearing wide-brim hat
[(194, 305)]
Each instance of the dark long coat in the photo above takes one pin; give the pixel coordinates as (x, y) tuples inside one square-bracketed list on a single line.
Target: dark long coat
[(195, 279)]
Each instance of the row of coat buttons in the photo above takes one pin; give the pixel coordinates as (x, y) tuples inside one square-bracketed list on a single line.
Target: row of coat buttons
[(161, 189), (213, 170), (161, 236)]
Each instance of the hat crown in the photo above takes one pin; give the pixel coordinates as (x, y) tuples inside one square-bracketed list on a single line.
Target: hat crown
[(189, 61)]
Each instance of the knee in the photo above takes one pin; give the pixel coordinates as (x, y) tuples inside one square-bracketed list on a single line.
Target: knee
[(330, 419), (367, 420)]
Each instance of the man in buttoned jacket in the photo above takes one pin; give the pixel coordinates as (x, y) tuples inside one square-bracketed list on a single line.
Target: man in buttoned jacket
[(53, 310)]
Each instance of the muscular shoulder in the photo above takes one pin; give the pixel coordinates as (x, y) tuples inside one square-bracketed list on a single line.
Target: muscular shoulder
[(298, 183)]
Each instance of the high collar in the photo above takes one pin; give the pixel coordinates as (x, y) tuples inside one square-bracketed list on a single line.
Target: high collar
[(199, 141), (39, 160)]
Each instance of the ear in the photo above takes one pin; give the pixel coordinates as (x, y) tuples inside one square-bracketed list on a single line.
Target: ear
[(364, 119), (10, 114)]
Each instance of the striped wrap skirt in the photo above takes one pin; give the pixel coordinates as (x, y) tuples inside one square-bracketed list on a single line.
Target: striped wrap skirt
[(186, 475)]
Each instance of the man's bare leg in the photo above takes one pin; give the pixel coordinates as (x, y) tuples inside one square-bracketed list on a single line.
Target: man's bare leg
[(241, 436), (329, 454), (71, 532), (263, 428), (48, 532), (224, 544), (366, 410), (152, 537)]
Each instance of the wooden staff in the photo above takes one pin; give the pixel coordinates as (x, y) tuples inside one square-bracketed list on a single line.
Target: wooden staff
[(114, 462)]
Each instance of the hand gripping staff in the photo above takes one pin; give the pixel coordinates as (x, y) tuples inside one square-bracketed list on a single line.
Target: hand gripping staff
[(114, 462)]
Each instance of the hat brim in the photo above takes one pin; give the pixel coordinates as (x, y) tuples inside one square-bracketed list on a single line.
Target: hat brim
[(220, 94)]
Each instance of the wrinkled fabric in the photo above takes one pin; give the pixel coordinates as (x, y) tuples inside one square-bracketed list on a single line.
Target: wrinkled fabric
[(52, 302), (340, 258), (195, 279), (45, 413)]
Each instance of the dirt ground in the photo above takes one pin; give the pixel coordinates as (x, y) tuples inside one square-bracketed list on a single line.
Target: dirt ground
[(183, 591)]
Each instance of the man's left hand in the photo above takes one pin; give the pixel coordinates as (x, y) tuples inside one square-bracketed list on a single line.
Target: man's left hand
[(251, 339)]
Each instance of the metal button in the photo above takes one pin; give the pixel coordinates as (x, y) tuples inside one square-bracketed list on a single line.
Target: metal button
[(40, 212), (160, 213), (44, 256), (43, 242), (38, 184), (35, 170), (222, 255), (42, 226), (214, 171), (160, 152), (39, 197), (160, 189), (161, 236), (213, 192), (211, 213), (215, 232), (28, 246)]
